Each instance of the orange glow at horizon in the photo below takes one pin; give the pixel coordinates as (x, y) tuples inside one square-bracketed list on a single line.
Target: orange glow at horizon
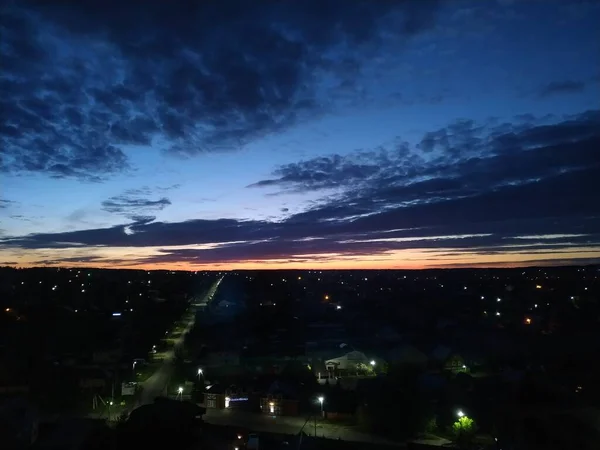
[(418, 258)]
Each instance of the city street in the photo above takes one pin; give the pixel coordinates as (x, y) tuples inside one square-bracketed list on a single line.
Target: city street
[(290, 425), (156, 384)]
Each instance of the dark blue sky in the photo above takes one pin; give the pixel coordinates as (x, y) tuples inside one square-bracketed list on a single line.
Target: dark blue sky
[(300, 133)]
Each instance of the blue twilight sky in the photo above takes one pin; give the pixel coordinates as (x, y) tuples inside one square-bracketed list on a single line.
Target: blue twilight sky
[(299, 133)]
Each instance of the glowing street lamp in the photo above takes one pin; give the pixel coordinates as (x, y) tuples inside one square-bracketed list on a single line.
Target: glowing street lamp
[(321, 400), (372, 362), (459, 413)]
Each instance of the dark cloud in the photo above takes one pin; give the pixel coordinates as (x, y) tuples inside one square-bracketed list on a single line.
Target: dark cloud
[(522, 188), (562, 87), (81, 79), (6, 203), (463, 159), (322, 173), (133, 205)]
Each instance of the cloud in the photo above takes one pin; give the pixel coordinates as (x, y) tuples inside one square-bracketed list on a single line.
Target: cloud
[(6, 203), (524, 189), (461, 160), (133, 205), (81, 81), (562, 87)]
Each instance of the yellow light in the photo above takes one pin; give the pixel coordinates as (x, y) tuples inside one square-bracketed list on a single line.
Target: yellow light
[(528, 321), (538, 286), (326, 297), (7, 310)]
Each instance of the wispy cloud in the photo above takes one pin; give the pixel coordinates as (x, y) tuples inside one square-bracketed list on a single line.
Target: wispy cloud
[(562, 87)]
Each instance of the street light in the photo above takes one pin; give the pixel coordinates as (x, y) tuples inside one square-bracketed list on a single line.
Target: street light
[(459, 413), (373, 362), (180, 392), (321, 400)]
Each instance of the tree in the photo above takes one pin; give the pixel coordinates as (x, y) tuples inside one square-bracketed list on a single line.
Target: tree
[(464, 431), (364, 369)]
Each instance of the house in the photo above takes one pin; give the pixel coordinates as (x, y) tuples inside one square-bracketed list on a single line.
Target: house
[(347, 362), (281, 400)]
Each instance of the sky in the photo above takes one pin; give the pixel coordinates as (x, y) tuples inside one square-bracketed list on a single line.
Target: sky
[(314, 134)]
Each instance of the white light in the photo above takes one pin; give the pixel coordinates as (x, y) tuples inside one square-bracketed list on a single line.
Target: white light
[(227, 400), (199, 371), (321, 400), (180, 389), (116, 314), (498, 299), (459, 413), (338, 307), (372, 362), (497, 313)]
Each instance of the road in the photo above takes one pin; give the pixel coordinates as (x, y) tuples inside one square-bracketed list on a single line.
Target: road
[(156, 384), (291, 425)]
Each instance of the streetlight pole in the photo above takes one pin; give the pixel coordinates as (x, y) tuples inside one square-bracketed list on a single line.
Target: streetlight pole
[(321, 400)]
